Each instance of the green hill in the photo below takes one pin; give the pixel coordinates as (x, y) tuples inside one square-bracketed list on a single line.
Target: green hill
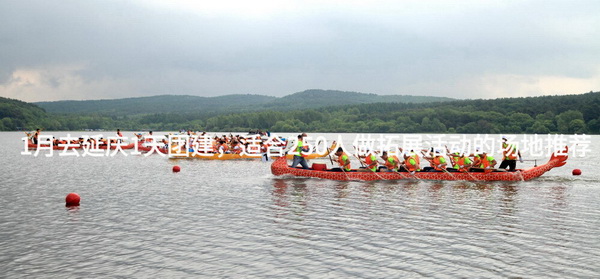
[(566, 114), (328, 112), (18, 115), (308, 99), (157, 104), (315, 98)]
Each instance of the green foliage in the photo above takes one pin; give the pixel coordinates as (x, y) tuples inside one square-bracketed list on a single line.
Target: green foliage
[(18, 115), (548, 114), (208, 106)]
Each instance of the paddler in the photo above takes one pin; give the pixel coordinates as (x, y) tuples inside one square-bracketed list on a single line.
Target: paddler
[(343, 159), (454, 157), (510, 153), (436, 160), (483, 162), (391, 162), (370, 161), (411, 162), (463, 163)]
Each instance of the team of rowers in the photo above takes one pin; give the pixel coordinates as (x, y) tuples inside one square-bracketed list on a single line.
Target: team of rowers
[(479, 161)]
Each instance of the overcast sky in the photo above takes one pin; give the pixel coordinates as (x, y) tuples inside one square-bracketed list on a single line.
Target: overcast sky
[(57, 50)]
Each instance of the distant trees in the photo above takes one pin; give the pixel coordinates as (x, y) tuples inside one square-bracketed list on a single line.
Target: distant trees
[(548, 114)]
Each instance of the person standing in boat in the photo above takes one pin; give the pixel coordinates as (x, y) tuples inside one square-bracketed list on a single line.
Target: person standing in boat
[(510, 153), (35, 136), (299, 157)]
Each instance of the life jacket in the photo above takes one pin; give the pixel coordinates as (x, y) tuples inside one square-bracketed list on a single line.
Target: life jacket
[(509, 151), (454, 157), (342, 159), (412, 162), (236, 149), (371, 161), (438, 160), (462, 161), (485, 162), (225, 147), (392, 162), (299, 149)]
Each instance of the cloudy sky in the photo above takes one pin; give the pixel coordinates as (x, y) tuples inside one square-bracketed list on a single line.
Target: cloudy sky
[(99, 49)]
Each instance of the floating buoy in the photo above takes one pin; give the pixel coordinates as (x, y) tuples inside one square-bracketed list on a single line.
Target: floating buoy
[(176, 169), (72, 199), (576, 172)]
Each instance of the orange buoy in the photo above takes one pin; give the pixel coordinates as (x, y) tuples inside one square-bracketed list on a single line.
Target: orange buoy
[(176, 169), (576, 172), (72, 199)]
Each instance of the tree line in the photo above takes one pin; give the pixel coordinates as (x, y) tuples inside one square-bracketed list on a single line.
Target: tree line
[(547, 114)]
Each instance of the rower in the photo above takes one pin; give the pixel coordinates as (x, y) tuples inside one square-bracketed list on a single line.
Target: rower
[(483, 162), (371, 161), (454, 157), (437, 161), (391, 162), (411, 161), (343, 159), (463, 163)]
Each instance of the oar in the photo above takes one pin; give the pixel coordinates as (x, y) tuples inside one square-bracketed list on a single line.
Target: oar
[(534, 162), (409, 172), (329, 155), (474, 178)]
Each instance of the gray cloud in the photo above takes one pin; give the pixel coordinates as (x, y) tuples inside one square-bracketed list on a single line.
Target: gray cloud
[(52, 50)]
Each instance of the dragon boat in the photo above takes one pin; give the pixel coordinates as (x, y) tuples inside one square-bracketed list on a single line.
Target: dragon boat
[(558, 159)]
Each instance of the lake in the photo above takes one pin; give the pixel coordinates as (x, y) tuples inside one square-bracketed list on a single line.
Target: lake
[(235, 219)]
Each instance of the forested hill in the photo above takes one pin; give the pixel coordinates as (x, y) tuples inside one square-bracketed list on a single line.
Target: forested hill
[(18, 115), (565, 114), (311, 99), (158, 104), (547, 114), (308, 99)]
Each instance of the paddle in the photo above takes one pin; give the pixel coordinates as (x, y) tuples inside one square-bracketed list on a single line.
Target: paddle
[(409, 172), (329, 155)]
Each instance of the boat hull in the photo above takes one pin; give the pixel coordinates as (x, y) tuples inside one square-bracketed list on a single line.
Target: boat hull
[(280, 167)]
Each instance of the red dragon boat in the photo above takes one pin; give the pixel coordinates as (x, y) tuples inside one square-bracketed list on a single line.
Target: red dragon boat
[(558, 159)]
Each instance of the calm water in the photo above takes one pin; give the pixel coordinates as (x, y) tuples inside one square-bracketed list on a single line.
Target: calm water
[(234, 219)]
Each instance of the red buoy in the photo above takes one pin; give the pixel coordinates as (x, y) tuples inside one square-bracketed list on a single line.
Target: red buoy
[(176, 169), (576, 172), (72, 199)]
